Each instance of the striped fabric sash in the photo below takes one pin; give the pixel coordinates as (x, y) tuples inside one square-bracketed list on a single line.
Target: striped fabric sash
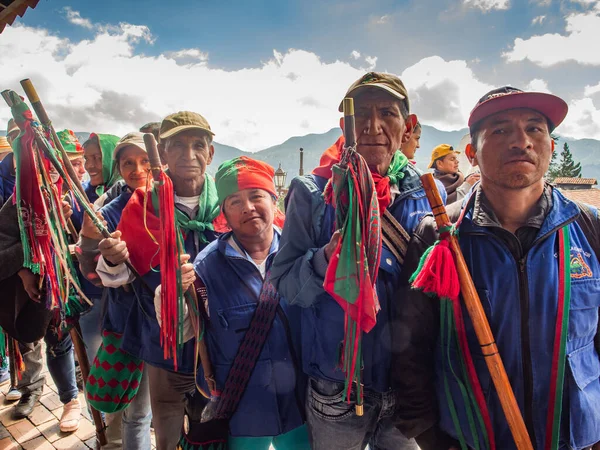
[(249, 350), (394, 236), (560, 341)]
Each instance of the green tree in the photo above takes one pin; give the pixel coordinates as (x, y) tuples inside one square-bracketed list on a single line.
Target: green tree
[(567, 167), (553, 168)]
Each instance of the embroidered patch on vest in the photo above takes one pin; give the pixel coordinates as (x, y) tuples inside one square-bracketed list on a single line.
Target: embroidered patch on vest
[(579, 268)]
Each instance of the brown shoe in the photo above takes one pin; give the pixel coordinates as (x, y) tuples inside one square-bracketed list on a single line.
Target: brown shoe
[(69, 420)]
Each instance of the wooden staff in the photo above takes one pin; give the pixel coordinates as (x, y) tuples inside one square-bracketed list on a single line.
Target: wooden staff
[(480, 322), (156, 168), (350, 141), (11, 98), (42, 115)]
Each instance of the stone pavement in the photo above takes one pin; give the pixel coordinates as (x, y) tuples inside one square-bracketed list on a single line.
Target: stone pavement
[(40, 430)]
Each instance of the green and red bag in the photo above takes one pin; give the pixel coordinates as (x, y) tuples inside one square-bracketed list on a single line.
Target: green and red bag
[(114, 377)]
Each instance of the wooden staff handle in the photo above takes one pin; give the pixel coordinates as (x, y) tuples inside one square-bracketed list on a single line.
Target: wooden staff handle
[(84, 365), (480, 323), (153, 156), (41, 113), (349, 122)]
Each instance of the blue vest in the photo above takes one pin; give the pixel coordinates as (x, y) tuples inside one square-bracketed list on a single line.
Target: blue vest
[(323, 322), (273, 400), (509, 290)]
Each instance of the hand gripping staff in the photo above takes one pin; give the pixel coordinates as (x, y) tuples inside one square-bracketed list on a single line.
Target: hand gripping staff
[(352, 270), (444, 273), (13, 100)]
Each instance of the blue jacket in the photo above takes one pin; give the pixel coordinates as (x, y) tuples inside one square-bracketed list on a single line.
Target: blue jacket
[(298, 273), (531, 283), (7, 178), (273, 401), (132, 313)]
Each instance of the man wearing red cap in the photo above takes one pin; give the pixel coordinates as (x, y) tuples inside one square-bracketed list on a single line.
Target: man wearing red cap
[(533, 257)]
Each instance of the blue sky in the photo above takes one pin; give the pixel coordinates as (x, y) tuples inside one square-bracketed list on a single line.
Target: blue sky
[(288, 63)]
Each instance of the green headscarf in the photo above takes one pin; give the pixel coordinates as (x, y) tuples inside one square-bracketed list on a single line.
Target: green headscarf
[(110, 174)]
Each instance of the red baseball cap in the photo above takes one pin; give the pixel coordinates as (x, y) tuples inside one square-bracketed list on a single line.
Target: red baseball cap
[(554, 108)]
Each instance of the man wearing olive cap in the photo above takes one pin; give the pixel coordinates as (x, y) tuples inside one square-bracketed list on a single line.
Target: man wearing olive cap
[(383, 123), (533, 256), (186, 147)]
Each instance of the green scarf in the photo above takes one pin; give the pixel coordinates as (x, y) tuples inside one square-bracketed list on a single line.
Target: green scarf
[(396, 170), (208, 210), (110, 174)]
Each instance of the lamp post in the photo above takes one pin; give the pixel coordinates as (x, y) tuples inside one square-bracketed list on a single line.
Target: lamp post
[(280, 176), (301, 171)]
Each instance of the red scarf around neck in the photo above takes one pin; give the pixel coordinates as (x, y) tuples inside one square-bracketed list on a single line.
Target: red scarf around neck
[(332, 155)]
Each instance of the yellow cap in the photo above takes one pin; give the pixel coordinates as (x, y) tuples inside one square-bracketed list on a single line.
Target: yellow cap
[(4, 145), (440, 151)]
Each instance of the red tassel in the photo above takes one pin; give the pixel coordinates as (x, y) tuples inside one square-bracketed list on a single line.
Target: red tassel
[(439, 275), (169, 265)]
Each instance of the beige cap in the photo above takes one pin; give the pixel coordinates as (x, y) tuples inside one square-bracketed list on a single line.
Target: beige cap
[(386, 81), (134, 138), (181, 121), (11, 127)]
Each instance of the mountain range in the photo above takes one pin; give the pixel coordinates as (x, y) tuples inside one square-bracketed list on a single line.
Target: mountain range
[(585, 151)]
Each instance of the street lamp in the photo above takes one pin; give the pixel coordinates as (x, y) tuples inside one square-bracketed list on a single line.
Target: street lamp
[(301, 171), (280, 179)]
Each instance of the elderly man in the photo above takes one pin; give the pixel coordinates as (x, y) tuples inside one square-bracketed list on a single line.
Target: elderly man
[(186, 147), (515, 236), (383, 123)]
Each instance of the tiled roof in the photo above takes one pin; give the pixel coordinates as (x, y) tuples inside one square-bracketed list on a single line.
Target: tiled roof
[(589, 196), (584, 181), (10, 9)]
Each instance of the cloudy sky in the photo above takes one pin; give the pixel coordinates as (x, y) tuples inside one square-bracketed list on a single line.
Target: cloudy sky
[(261, 71)]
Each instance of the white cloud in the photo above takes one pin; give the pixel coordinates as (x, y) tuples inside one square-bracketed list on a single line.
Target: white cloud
[(104, 85), (188, 56), (487, 5), (542, 2), (538, 20), (75, 18), (442, 93), (383, 19), (582, 121), (582, 30), (591, 90), (355, 54), (538, 85), (371, 61)]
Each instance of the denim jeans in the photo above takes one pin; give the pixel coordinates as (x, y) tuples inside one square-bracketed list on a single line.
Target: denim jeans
[(61, 365), (333, 424), (130, 429)]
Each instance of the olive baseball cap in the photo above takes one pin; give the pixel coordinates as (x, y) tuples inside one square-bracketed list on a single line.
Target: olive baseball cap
[(181, 121), (554, 108), (134, 138), (439, 152), (386, 81)]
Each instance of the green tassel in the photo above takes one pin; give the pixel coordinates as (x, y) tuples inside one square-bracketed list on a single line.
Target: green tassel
[(422, 262), (3, 339)]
